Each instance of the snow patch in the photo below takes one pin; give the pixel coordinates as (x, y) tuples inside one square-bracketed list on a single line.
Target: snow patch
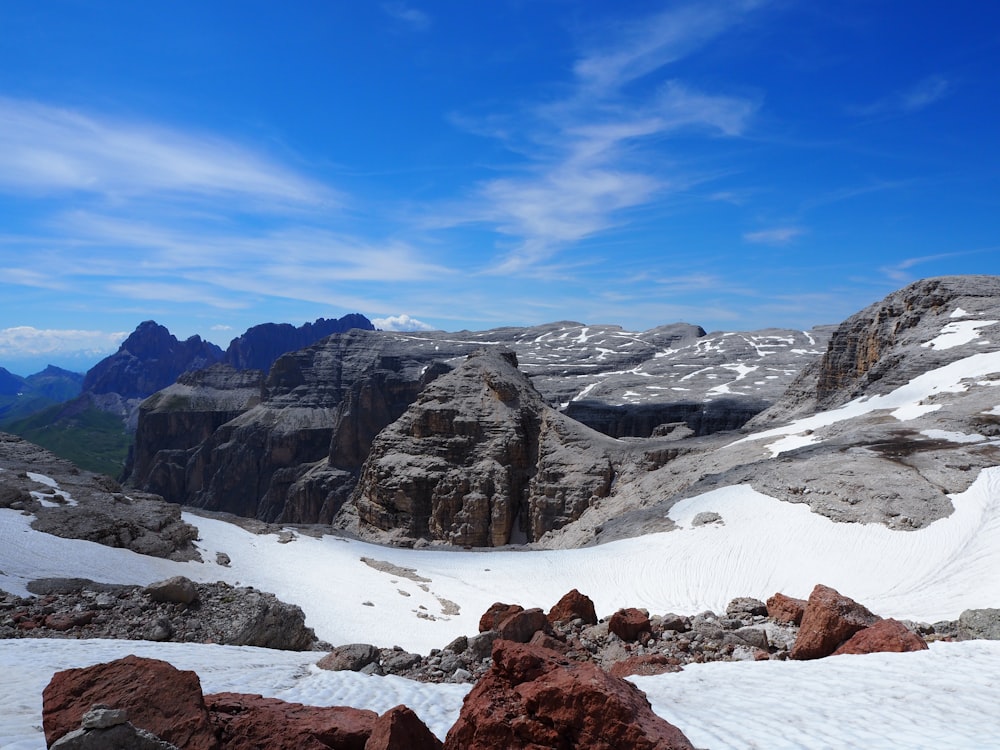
[(953, 437), (958, 333)]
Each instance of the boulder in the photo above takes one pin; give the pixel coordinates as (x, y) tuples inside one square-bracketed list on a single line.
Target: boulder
[(401, 729), (745, 606), (979, 623), (628, 624), (785, 609), (350, 658), (176, 590), (497, 613), (884, 635), (572, 606), (830, 618), (534, 698), (157, 697), (251, 721), (521, 626)]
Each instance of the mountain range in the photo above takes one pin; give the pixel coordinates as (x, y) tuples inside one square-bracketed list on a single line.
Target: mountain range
[(397, 486)]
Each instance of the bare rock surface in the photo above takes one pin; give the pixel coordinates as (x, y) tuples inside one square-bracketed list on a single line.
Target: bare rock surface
[(536, 698), (479, 459), (401, 729), (218, 613), (76, 504), (979, 623)]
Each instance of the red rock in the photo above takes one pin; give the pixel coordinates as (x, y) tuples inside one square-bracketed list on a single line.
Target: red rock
[(250, 721), (496, 614), (521, 626), (785, 609), (158, 697), (62, 621), (401, 729), (884, 635), (830, 618), (572, 606), (543, 639), (629, 624), (646, 665), (532, 698)]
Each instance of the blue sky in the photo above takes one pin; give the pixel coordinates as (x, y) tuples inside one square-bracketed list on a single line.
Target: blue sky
[(741, 164)]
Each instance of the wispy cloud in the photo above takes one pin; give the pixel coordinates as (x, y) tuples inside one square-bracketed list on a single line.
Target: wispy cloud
[(401, 322), (51, 150), (26, 341), (774, 236), (412, 18), (586, 161), (919, 96)]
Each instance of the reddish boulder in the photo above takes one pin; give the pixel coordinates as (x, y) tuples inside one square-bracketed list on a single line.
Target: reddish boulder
[(401, 729), (521, 626), (785, 609), (497, 613), (884, 635), (63, 621), (158, 697), (543, 639), (572, 606), (629, 624), (830, 618), (248, 721), (646, 665), (532, 698)]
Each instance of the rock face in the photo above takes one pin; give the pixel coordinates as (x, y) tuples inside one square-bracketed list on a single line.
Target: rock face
[(786, 609), (151, 358), (157, 697), (481, 460), (534, 698), (885, 635), (260, 346), (829, 620)]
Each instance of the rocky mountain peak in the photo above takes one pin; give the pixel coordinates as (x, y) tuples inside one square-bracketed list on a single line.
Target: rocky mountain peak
[(261, 345)]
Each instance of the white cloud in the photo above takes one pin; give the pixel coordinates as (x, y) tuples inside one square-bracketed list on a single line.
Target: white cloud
[(413, 18), (776, 236), (26, 341), (922, 94), (586, 153), (401, 323), (45, 149)]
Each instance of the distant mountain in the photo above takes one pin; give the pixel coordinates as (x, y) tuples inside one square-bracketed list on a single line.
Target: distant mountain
[(56, 383), (151, 358), (10, 384), (260, 346)]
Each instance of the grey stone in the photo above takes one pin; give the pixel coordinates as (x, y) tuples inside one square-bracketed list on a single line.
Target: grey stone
[(178, 590), (481, 646), (981, 624), (352, 657), (102, 717)]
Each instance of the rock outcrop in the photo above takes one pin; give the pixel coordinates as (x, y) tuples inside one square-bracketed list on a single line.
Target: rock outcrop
[(885, 635), (480, 459), (535, 698)]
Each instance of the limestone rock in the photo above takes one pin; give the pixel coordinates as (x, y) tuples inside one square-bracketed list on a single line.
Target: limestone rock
[(572, 606), (401, 729), (178, 590), (884, 635), (981, 624), (480, 459), (830, 619), (352, 657), (251, 721), (157, 697), (533, 698)]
